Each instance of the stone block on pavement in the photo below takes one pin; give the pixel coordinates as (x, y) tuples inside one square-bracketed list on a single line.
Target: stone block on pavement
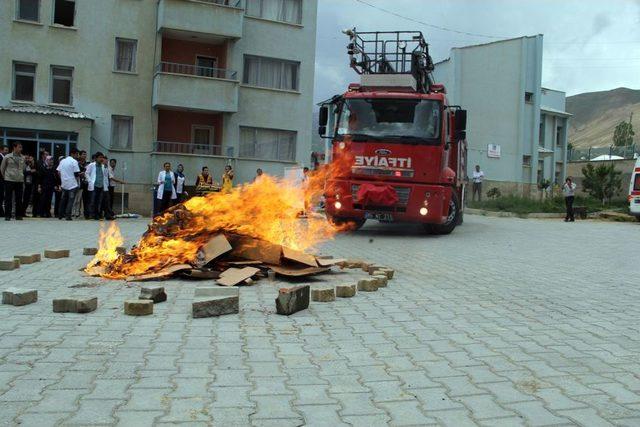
[(381, 280), (323, 294), (9, 264), (138, 307), (75, 305), (89, 251), (292, 300), (154, 293), (215, 306), (345, 291), (56, 253), (216, 291), (386, 271), (27, 259), (374, 267), (18, 297), (367, 285)]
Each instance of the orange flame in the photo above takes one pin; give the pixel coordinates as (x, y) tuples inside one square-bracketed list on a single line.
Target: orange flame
[(108, 240), (267, 209)]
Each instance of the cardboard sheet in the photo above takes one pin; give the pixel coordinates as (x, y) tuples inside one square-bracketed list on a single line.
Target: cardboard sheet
[(323, 262), (234, 276), (161, 274), (290, 271), (254, 249), (301, 257), (215, 247)]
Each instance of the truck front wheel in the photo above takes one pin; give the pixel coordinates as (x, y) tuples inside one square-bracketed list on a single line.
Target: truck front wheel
[(345, 224), (453, 218)]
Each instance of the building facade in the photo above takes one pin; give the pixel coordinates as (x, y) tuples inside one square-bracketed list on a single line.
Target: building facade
[(191, 82), (516, 129)]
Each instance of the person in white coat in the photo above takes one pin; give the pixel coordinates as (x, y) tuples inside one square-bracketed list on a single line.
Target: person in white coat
[(166, 187), (97, 175)]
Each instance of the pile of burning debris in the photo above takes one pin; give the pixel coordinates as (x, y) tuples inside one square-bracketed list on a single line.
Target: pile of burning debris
[(228, 258)]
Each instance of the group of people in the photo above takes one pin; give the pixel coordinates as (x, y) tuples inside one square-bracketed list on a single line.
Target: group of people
[(568, 191), (72, 185), (171, 185)]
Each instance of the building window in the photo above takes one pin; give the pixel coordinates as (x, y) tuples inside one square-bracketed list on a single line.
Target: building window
[(526, 161), (559, 136), (64, 12), (271, 73), (121, 132), (202, 135), (61, 79), (24, 81), (270, 144), (126, 55), (541, 130), (528, 97), (276, 10), (28, 10), (540, 170), (558, 173)]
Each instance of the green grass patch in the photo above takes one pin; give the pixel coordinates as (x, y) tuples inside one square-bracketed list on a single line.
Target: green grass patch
[(523, 205)]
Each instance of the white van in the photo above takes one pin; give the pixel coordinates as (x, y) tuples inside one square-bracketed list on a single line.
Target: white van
[(634, 191)]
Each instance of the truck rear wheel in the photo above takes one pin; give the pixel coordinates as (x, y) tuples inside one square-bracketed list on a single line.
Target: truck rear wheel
[(453, 218), (345, 224)]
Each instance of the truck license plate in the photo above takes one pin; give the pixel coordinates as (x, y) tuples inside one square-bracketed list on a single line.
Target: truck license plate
[(384, 217)]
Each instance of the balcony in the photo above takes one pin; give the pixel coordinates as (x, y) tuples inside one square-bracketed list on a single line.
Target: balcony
[(220, 19), (187, 148), (189, 87)]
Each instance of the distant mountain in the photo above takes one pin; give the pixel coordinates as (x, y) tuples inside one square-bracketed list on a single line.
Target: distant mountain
[(596, 114)]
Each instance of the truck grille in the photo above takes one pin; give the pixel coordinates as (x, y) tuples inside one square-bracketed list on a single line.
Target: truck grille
[(403, 194)]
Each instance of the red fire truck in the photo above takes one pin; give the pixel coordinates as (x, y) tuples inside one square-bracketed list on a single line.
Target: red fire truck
[(398, 150)]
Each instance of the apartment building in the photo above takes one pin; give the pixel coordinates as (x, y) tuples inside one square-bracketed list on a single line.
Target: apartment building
[(517, 129), (191, 82)]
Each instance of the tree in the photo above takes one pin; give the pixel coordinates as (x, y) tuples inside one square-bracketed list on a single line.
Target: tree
[(623, 134), (601, 182)]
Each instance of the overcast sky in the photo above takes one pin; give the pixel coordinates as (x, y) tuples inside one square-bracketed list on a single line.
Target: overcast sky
[(589, 45)]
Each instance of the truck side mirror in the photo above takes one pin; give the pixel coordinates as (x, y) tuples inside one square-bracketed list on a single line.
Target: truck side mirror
[(461, 124), (323, 118)]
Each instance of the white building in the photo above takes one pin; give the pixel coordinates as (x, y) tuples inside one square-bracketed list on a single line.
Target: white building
[(197, 82), (516, 129)]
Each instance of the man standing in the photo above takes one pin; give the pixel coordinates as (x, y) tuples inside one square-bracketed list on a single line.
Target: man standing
[(81, 193), (12, 170), (478, 177), (69, 170), (112, 182), (3, 152), (98, 185)]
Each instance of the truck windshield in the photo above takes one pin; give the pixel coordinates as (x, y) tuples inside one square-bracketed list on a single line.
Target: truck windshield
[(385, 118)]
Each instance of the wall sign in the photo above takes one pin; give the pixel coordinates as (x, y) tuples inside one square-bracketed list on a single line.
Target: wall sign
[(493, 151)]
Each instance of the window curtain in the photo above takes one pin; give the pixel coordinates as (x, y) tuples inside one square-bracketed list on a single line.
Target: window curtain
[(290, 11), (271, 9), (121, 133), (247, 142), (125, 56), (253, 7), (287, 146)]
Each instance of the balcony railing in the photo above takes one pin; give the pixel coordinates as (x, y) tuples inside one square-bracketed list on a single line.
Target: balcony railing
[(188, 148), (195, 70)]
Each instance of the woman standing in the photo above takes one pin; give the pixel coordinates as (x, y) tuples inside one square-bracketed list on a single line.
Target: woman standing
[(227, 179), (568, 189), (166, 187)]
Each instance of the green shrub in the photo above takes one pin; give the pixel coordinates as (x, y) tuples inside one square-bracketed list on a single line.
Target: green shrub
[(494, 193), (523, 205)]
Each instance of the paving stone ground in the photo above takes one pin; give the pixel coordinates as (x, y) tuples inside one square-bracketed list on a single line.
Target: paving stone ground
[(504, 322)]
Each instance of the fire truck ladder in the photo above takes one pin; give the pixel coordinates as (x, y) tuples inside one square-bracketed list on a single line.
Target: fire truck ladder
[(391, 52)]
